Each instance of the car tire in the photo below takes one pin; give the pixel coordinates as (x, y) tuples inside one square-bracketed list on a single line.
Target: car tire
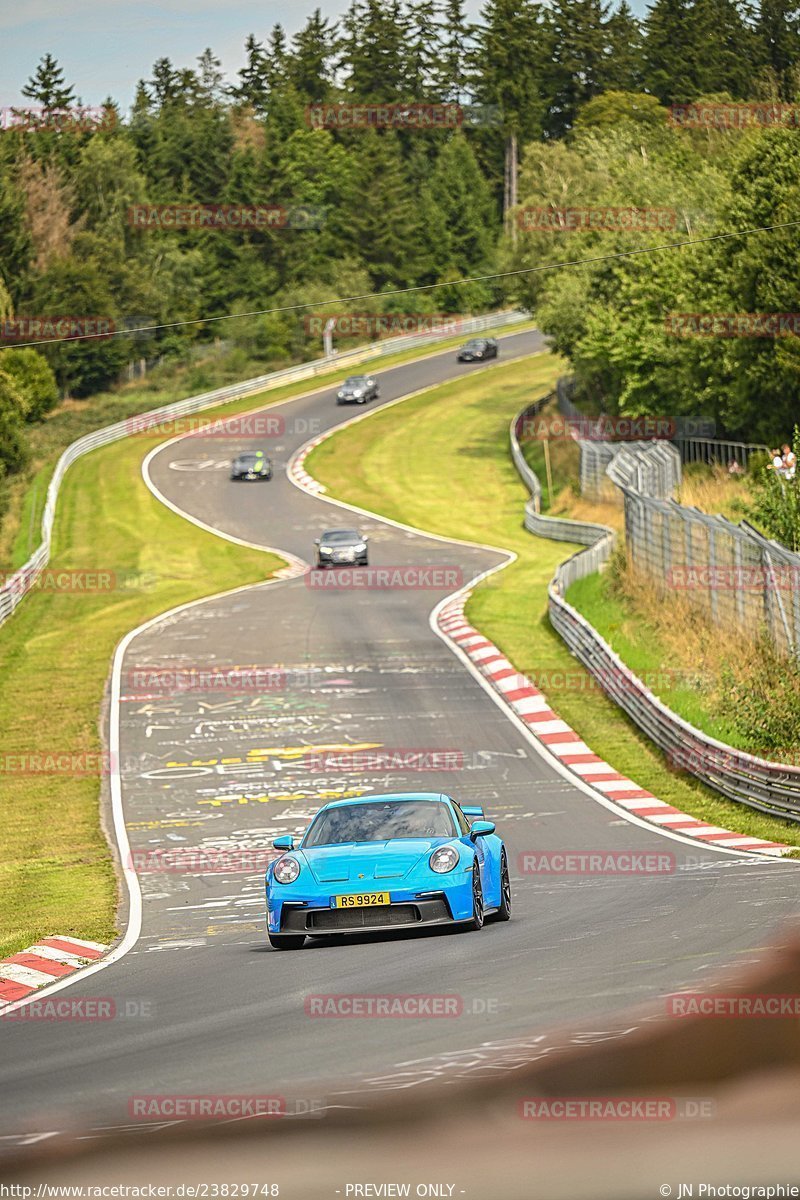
[(286, 941), (504, 911), (477, 919)]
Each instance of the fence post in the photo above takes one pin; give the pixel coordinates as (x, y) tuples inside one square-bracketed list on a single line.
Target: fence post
[(739, 590), (713, 602)]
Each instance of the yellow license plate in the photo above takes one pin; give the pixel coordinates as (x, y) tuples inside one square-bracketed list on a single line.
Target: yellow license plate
[(361, 900)]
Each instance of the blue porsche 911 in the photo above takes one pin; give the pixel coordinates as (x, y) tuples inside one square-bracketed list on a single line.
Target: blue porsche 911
[(384, 863)]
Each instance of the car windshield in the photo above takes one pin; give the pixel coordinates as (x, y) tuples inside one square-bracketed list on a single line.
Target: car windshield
[(379, 822), (249, 458), (475, 344), (355, 381), (340, 537)]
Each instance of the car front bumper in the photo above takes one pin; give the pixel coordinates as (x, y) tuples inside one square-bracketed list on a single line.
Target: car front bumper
[(409, 909), (327, 560)]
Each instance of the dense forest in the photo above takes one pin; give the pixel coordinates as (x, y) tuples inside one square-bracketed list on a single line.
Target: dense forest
[(579, 94)]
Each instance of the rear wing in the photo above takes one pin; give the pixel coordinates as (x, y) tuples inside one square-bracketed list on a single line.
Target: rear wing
[(473, 810)]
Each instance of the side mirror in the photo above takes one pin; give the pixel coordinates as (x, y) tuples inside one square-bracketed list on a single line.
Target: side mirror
[(286, 842), (365, 538), (316, 541), (480, 829)]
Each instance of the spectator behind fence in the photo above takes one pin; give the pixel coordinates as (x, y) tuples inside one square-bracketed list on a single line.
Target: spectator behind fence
[(789, 461), (777, 462)]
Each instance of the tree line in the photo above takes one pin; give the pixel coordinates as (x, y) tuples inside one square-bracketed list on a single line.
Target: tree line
[(580, 86)]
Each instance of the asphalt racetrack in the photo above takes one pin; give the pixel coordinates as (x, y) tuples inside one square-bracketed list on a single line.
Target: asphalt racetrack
[(203, 1004)]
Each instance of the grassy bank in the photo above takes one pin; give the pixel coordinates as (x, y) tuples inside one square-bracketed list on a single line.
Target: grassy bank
[(453, 442)]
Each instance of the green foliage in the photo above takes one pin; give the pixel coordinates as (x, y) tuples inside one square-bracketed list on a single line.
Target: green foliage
[(34, 380), (776, 508), (760, 696), (13, 446), (401, 208)]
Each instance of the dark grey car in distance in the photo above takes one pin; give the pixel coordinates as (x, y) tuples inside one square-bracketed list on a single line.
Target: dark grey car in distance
[(341, 547), (358, 389), (478, 350)]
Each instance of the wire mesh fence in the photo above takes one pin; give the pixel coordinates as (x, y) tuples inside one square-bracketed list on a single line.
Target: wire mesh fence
[(652, 466), (767, 786), (742, 579)]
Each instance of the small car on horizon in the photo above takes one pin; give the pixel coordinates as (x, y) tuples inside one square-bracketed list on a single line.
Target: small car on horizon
[(379, 863), (358, 389), (341, 547), (478, 350), (252, 464)]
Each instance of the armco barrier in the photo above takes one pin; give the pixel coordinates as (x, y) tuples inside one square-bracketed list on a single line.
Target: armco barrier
[(559, 529), (771, 787), (23, 580)]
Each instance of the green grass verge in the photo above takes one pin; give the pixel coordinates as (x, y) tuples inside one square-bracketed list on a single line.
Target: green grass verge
[(55, 870), (453, 443), (646, 656)]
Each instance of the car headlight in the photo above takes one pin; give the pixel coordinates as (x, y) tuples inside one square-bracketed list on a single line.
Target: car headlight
[(325, 550), (360, 548), (444, 859), (286, 870)]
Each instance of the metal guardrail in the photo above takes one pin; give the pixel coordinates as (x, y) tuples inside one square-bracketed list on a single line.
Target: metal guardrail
[(561, 529), (715, 451), (770, 787), (24, 580)]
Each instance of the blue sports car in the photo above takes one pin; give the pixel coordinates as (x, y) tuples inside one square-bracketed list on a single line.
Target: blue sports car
[(387, 862)]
